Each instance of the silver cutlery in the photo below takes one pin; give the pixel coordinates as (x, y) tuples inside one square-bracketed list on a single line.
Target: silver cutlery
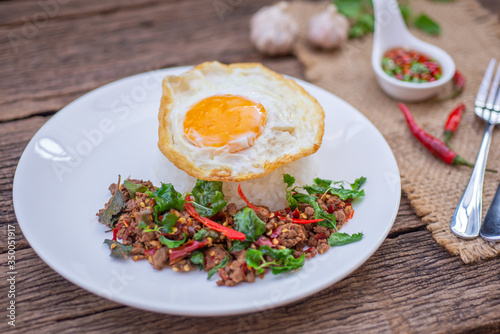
[(466, 221)]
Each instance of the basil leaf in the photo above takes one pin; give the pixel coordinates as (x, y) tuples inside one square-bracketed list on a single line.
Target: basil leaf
[(198, 259), (289, 180), (172, 243), (253, 257), (119, 251), (339, 239), (111, 214), (203, 234), (167, 223), (142, 225), (289, 264), (358, 183), (247, 222), (239, 246), (277, 254), (208, 197), (166, 198), (133, 188), (427, 25), (321, 186), (215, 269)]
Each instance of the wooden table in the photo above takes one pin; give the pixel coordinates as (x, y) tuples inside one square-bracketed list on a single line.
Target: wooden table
[(53, 51)]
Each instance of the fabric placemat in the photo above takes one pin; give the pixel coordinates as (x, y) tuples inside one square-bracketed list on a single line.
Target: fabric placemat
[(471, 35)]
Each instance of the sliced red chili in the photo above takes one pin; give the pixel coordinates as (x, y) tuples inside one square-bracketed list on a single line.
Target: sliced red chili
[(243, 197), (115, 233), (150, 252), (189, 247), (296, 214), (275, 233), (228, 232), (303, 221)]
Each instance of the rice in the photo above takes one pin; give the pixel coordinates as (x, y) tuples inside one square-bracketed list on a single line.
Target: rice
[(268, 190)]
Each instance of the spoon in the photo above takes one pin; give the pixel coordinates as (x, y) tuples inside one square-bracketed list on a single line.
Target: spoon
[(391, 32)]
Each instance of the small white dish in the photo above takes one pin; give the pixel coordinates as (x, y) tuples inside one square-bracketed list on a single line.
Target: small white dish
[(391, 32), (63, 175)]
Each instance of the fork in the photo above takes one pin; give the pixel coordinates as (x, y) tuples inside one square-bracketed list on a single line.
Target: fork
[(466, 221)]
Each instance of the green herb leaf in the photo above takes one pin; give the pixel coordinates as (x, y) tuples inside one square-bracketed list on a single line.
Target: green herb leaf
[(253, 258), (203, 234), (134, 188), (120, 251), (222, 264), (247, 222), (289, 264), (208, 197), (289, 181), (167, 223), (111, 214), (142, 225), (349, 8), (198, 259), (166, 198), (283, 260), (239, 246), (172, 243), (277, 254), (339, 239), (427, 25), (321, 186)]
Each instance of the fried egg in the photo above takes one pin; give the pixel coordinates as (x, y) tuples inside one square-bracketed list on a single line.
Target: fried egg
[(236, 122)]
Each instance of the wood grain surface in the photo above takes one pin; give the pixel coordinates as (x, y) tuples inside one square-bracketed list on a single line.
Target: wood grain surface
[(53, 51)]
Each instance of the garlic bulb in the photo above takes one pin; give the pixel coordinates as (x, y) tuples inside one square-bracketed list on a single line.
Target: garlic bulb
[(272, 30), (328, 29)]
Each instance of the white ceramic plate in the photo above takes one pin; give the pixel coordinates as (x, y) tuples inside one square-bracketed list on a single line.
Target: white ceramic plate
[(62, 178)]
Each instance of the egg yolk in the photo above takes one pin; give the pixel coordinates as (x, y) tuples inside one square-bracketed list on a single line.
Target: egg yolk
[(225, 120)]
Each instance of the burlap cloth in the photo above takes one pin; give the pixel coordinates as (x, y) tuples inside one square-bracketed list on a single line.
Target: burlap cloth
[(471, 36)]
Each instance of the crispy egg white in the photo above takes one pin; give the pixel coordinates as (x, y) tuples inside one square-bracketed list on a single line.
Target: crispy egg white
[(236, 122)]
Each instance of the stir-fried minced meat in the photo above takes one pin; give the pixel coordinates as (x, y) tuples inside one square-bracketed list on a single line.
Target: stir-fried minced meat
[(291, 234), (184, 242), (213, 256), (236, 271), (160, 258)]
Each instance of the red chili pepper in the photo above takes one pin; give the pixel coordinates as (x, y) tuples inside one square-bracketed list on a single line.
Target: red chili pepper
[(250, 205), (228, 232), (303, 221), (349, 217), (150, 252), (115, 233), (452, 123), (190, 246), (458, 86), (432, 144), (296, 214)]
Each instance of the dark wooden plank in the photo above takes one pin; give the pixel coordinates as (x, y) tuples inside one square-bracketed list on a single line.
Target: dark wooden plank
[(409, 285), (55, 64), (15, 136)]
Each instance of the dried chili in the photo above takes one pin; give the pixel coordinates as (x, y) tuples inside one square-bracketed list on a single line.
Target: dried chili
[(431, 143), (228, 232), (452, 123)]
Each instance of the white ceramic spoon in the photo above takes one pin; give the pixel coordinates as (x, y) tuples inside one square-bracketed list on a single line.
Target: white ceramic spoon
[(391, 32)]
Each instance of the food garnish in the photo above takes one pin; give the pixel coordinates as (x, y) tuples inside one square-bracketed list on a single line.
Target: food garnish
[(452, 123), (201, 230), (410, 66)]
